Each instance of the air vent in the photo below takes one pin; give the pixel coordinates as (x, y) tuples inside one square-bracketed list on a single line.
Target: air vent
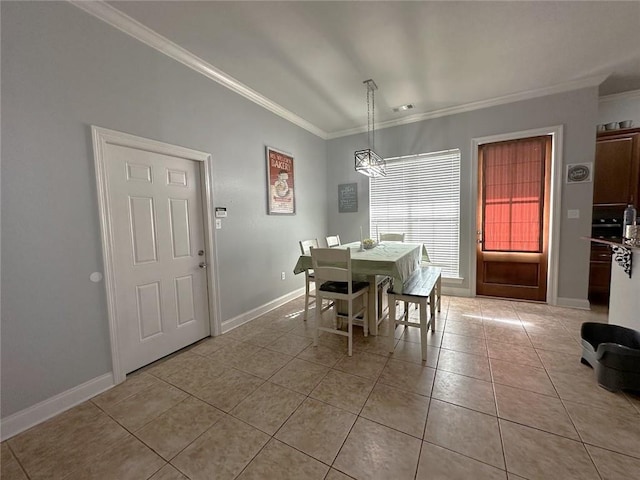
[(402, 108)]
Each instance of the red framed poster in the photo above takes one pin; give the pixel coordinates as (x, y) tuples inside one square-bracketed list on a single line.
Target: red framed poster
[(281, 181)]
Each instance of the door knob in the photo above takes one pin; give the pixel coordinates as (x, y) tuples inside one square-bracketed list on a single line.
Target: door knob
[(200, 253), (202, 265)]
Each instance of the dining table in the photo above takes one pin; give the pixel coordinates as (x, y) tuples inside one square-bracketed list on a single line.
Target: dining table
[(396, 260)]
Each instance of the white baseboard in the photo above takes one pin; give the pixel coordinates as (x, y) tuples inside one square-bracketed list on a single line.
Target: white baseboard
[(38, 413), (243, 318), (574, 303), (455, 291)]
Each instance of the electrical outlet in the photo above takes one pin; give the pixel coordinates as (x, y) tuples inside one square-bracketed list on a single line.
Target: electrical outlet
[(282, 276), (218, 224)]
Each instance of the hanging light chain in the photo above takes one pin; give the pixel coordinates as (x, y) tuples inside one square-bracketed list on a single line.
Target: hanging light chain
[(371, 111)]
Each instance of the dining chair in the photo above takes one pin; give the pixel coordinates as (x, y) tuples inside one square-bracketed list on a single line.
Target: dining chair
[(391, 237), (333, 241), (332, 268), (309, 276)]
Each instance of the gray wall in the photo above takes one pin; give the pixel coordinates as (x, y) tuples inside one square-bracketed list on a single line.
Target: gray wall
[(576, 110), (63, 71)]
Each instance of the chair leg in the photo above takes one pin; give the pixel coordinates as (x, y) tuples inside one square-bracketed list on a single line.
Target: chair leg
[(392, 324), (306, 300), (423, 329), (318, 316), (350, 328), (365, 315)]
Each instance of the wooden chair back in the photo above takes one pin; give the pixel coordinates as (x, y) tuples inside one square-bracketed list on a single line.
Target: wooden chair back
[(333, 241)]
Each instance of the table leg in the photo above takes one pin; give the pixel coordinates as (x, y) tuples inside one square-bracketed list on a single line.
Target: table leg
[(373, 305)]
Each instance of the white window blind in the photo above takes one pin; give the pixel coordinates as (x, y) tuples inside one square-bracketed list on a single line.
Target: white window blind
[(420, 196)]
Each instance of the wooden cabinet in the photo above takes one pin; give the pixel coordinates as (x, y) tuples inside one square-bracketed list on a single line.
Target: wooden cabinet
[(616, 183), (599, 273), (617, 166)]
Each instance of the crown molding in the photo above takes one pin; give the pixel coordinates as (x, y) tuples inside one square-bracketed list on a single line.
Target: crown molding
[(137, 30), (630, 95), (592, 81)]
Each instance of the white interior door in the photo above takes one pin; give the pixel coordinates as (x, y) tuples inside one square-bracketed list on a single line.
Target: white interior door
[(159, 259)]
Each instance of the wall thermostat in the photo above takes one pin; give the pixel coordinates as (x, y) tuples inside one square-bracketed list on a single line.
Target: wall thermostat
[(221, 212)]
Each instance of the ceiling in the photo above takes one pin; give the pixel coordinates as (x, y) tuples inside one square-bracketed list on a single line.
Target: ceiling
[(311, 58)]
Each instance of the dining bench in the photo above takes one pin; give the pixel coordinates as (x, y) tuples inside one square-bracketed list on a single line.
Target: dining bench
[(422, 287)]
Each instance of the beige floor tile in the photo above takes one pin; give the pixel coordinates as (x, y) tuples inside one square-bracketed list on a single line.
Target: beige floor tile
[(412, 352), (336, 475), (437, 463), (10, 469), (300, 375), (167, 366), (221, 452), (535, 455), (556, 329), (585, 389), (614, 466), (469, 329), (343, 390), (129, 459), (264, 363), (558, 362), (362, 364), (376, 452), (279, 461), (522, 376), (229, 389), (168, 472), (434, 338), (137, 410), (521, 354), (534, 410), (234, 355), (213, 344), (564, 344), (464, 364), (611, 429), (132, 385), (321, 355), (196, 371), (507, 334), (177, 427), (263, 336), (317, 429), (464, 391), (465, 431), (268, 407), (290, 344), (408, 376), (461, 343), (68, 441), (397, 409), (378, 344)]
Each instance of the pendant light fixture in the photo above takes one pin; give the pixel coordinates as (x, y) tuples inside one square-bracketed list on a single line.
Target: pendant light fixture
[(367, 161)]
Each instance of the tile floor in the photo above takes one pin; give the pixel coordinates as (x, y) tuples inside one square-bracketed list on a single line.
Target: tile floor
[(502, 396)]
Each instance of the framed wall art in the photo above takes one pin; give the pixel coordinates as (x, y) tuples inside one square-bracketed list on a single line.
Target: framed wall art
[(579, 172), (280, 183)]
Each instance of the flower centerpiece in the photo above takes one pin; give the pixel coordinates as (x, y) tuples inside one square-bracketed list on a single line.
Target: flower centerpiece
[(368, 243)]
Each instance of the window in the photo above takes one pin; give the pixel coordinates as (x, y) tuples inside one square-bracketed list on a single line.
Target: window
[(420, 196)]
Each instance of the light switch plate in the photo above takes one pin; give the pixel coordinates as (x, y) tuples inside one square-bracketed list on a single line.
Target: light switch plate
[(573, 213)]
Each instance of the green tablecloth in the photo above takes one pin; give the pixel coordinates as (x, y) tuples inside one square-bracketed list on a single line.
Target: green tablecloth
[(392, 259)]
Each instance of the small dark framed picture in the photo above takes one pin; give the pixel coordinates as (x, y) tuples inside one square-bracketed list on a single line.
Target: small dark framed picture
[(579, 172)]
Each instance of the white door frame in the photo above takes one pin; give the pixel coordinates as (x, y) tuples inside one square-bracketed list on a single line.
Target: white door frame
[(555, 215), (103, 137)]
